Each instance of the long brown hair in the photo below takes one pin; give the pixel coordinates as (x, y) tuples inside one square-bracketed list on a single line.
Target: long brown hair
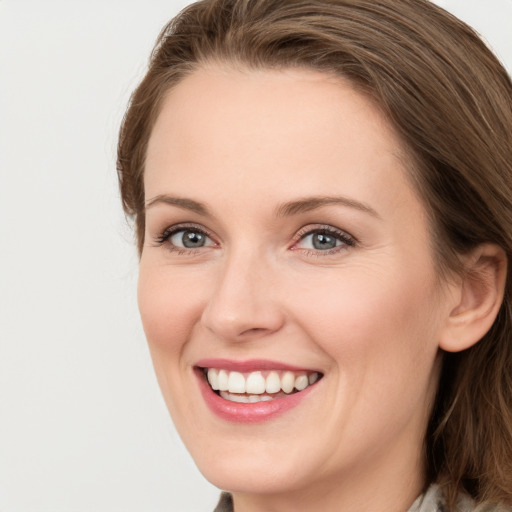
[(451, 101)]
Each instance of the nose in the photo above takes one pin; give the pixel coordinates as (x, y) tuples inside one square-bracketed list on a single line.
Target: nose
[(244, 303)]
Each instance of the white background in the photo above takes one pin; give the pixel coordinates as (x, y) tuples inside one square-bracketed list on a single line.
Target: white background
[(82, 425)]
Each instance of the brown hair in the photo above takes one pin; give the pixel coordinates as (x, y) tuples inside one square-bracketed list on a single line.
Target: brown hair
[(451, 101)]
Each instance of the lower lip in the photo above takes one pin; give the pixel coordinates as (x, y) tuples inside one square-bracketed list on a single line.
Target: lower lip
[(248, 412)]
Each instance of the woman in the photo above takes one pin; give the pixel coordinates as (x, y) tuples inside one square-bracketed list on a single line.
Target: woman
[(323, 206)]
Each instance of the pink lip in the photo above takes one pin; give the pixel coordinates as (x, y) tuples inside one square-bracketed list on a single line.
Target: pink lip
[(247, 366), (248, 412)]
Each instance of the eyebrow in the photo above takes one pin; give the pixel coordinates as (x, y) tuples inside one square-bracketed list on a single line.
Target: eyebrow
[(180, 202), (290, 208), (308, 204)]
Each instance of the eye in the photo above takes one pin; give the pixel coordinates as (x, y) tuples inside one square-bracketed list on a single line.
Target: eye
[(189, 239), (325, 239), (185, 238)]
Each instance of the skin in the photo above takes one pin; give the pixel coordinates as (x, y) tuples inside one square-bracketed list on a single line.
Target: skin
[(370, 316)]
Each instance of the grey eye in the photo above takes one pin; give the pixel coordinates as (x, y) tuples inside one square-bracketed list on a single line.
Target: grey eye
[(190, 239), (320, 241)]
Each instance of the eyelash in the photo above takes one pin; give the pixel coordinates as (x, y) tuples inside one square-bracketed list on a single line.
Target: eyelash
[(342, 236)]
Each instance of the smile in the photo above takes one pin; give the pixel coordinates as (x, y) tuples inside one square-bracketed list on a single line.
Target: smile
[(258, 386), (253, 391)]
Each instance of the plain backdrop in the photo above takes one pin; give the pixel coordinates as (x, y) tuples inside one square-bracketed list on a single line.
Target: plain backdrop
[(83, 427)]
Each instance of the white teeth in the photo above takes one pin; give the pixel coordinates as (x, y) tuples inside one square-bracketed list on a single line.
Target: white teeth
[(236, 383), (273, 383), (242, 399), (301, 382), (245, 399), (288, 382), (223, 380), (213, 378), (254, 385)]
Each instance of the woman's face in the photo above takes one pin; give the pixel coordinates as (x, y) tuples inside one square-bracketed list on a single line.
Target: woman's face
[(285, 248)]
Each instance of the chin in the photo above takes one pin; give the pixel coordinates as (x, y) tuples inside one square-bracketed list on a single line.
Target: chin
[(242, 461), (249, 476)]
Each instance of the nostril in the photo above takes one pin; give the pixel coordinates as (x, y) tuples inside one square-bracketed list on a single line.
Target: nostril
[(255, 330)]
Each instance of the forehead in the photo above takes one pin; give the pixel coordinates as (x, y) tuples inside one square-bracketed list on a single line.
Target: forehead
[(277, 130)]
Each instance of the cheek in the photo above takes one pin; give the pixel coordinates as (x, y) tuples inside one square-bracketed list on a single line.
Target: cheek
[(372, 319), (382, 343), (169, 307)]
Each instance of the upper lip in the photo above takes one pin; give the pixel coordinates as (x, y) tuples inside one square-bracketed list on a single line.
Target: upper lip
[(249, 365)]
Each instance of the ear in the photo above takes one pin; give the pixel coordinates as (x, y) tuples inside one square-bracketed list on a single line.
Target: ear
[(478, 298)]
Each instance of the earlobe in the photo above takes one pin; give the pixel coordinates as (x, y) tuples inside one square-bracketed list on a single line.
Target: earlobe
[(480, 294)]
